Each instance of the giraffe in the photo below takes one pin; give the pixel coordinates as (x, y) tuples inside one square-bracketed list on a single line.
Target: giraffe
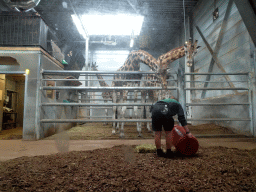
[(159, 66), (131, 64), (106, 95)]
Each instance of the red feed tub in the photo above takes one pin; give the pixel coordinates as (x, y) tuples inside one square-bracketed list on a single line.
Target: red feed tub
[(184, 144)]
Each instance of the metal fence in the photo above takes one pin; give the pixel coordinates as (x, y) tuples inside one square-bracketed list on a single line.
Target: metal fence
[(246, 87), (87, 89)]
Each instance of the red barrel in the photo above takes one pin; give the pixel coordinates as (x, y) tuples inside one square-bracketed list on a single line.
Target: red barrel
[(184, 144)]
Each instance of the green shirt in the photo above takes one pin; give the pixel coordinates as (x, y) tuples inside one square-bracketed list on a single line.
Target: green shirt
[(176, 108), (170, 101)]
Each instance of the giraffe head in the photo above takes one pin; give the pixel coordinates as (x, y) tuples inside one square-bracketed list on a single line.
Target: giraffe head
[(94, 67), (190, 51)]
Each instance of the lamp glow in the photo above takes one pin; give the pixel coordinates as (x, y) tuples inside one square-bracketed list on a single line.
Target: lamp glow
[(120, 24), (27, 71)]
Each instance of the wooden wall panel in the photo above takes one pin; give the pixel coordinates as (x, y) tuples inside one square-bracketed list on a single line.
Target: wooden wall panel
[(234, 53)]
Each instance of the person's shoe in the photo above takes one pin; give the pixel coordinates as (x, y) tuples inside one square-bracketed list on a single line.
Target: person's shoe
[(160, 153), (169, 153)]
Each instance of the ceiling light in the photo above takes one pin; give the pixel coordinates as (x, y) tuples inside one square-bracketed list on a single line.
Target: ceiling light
[(120, 24), (79, 25), (65, 5)]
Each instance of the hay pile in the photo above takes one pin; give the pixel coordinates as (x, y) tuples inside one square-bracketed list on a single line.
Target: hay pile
[(145, 148)]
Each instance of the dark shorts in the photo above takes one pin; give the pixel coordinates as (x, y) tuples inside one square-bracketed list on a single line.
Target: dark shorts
[(160, 120)]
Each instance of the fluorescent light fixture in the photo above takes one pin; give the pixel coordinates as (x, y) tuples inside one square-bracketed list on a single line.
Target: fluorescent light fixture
[(120, 24), (78, 25), (65, 5), (132, 42)]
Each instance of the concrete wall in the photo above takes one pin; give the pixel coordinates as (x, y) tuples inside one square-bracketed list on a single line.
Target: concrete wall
[(234, 56), (2, 96), (35, 60), (29, 61), (224, 111), (17, 85)]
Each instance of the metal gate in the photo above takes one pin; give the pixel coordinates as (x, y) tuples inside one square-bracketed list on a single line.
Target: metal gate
[(247, 88), (88, 89)]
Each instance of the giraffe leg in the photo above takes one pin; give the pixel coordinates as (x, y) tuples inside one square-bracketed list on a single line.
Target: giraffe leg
[(148, 114), (114, 112), (122, 111), (118, 111), (106, 114), (122, 123), (136, 112), (143, 101)]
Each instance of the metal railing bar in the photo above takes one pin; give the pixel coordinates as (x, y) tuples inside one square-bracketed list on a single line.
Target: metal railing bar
[(138, 99), (216, 81), (95, 99), (13, 72), (214, 104), (102, 88), (96, 104), (100, 80), (92, 121), (98, 117), (245, 73), (219, 119), (220, 88), (56, 72), (100, 107)]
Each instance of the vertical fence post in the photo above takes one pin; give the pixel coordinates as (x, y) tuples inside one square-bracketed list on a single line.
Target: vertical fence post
[(181, 88), (25, 123), (250, 77), (38, 127)]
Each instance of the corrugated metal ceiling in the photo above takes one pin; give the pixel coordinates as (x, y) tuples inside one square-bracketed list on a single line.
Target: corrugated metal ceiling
[(162, 20)]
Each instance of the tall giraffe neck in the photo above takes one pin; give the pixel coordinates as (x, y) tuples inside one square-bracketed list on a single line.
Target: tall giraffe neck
[(164, 59), (135, 57), (147, 59), (102, 82), (172, 55)]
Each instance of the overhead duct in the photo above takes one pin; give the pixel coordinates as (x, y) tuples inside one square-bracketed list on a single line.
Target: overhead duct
[(22, 4)]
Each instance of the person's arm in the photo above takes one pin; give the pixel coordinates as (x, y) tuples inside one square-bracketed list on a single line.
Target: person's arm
[(182, 119), (186, 128)]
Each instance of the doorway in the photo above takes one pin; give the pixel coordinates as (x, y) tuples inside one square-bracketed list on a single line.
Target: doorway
[(12, 91)]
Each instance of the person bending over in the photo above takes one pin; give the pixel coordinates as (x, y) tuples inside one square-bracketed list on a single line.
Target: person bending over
[(162, 116)]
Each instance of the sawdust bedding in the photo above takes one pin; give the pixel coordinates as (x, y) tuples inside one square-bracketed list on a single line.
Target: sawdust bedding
[(120, 168)]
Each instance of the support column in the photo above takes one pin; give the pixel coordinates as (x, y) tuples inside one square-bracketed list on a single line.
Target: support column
[(182, 92), (187, 109), (188, 93), (87, 69), (252, 93), (38, 100)]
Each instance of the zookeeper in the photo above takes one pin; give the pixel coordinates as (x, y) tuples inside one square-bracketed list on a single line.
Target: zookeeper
[(162, 116)]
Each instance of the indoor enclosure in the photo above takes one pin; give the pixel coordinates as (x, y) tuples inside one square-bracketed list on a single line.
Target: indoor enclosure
[(217, 88)]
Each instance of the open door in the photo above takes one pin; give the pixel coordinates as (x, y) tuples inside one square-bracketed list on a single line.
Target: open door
[(12, 91)]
